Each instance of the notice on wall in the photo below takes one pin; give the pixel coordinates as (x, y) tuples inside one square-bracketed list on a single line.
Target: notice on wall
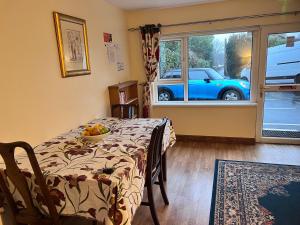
[(107, 37), (290, 41), (113, 51), (119, 63), (114, 55)]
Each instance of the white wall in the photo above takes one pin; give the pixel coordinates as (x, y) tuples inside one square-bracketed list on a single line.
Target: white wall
[(36, 102)]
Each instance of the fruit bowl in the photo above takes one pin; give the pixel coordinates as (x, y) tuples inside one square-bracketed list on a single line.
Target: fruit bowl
[(95, 137), (95, 133)]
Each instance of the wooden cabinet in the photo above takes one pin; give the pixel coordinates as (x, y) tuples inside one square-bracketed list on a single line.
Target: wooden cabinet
[(124, 99)]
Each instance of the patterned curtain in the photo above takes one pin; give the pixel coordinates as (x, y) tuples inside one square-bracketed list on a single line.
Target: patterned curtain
[(150, 43)]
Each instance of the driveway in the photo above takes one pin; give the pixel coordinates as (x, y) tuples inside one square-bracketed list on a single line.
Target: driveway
[(282, 111)]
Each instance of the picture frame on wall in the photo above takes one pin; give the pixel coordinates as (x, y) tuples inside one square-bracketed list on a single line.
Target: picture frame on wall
[(71, 34)]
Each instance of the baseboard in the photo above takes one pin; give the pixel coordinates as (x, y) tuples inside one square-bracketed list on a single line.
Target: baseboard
[(235, 140)]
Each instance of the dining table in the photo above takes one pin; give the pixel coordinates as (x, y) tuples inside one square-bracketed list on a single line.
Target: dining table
[(73, 170)]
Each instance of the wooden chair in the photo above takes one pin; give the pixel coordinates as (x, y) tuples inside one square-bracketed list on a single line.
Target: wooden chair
[(164, 160), (154, 169), (29, 215)]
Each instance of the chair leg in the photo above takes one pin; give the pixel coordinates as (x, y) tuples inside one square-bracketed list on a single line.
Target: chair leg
[(164, 165), (162, 188), (152, 205)]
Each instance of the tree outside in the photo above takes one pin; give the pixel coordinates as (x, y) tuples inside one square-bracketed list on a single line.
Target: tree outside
[(228, 53), (237, 54), (170, 56), (201, 51), (275, 40)]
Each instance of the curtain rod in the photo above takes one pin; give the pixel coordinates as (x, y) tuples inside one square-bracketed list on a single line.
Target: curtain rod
[(224, 19)]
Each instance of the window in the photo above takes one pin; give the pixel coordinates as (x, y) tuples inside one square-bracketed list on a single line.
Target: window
[(171, 92), (170, 70), (283, 59), (170, 59), (218, 67), (198, 75)]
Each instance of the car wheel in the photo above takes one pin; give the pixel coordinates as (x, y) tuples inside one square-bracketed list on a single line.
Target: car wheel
[(231, 95), (164, 95)]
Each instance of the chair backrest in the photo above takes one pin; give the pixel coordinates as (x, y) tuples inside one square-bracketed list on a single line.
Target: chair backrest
[(18, 179), (155, 150)]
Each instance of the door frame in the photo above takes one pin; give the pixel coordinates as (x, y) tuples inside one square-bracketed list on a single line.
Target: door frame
[(262, 88)]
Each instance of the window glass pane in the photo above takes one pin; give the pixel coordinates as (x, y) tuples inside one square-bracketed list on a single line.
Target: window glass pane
[(170, 92), (170, 59), (197, 75), (281, 115), (283, 59), (220, 66)]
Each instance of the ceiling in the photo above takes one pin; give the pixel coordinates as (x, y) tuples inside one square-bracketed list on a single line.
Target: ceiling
[(145, 4)]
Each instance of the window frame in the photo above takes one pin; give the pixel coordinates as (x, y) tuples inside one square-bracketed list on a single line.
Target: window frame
[(182, 59), (255, 30)]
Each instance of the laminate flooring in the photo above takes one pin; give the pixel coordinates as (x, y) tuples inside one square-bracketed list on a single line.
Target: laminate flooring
[(190, 178)]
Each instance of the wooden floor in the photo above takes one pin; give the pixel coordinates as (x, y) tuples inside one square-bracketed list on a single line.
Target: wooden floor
[(190, 178)]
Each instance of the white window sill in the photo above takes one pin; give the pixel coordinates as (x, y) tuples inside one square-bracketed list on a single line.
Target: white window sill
[(205, 104)]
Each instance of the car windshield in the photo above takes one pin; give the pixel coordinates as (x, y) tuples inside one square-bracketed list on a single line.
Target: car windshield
[(214, 75)]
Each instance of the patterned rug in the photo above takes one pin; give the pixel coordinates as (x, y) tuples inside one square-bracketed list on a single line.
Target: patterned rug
[(246, 193)]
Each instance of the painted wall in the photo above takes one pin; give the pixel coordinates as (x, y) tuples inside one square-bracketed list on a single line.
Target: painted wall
[(207, 121), (35, 102)]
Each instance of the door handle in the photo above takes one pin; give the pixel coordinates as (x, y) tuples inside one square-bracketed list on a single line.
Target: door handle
[(262, 88), (278, 88), (287, 87)]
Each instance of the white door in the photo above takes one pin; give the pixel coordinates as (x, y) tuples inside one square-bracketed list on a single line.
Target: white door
[(278, 119)]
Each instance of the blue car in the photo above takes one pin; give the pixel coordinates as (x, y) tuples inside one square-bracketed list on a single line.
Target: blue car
[(204, 84)]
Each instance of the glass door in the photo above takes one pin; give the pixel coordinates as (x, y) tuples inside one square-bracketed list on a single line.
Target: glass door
[(279, 92)]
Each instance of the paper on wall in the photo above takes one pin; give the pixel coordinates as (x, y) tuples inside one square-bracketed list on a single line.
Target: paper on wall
[(111, 53), (107, 37), (114, 55), (120, 63)]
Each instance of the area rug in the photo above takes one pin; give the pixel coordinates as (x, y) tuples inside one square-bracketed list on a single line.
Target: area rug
[(248, 193)]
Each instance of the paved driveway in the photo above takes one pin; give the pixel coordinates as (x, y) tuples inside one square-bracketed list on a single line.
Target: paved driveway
[(282, 111)]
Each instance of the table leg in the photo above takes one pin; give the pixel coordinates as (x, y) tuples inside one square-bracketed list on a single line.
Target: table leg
[(164, 165)]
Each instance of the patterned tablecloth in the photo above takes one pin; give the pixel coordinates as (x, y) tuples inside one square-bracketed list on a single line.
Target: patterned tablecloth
[(70, 164)]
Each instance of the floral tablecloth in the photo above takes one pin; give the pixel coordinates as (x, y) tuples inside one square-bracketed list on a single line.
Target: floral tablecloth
[(70, 167)]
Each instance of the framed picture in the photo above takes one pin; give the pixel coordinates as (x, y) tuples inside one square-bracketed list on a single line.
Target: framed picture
[(71, 34)]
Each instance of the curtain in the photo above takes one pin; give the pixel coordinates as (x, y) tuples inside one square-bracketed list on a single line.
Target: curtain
[(150, 44)]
